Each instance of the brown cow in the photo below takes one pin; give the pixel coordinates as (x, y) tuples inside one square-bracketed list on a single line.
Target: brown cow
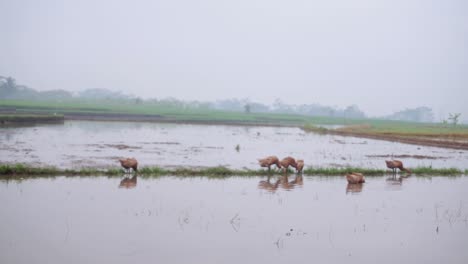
[(286, 162), (129, 163), (355, 178), (394, 164), (299, 165), (268, 161)]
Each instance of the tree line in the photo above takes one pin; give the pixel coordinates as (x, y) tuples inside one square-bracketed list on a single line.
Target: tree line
[(10, 90)]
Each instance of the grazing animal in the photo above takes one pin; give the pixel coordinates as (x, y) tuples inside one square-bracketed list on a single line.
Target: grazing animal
[(129, 163), (355, 178), (268, 161), (288, 161), (128, 183), (299, 165), (394, 164)]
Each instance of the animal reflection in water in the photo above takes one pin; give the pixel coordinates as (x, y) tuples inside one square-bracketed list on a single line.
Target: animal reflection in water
[(128, 183), (354, 188), (355, 182), (395, 182), (282, 182)]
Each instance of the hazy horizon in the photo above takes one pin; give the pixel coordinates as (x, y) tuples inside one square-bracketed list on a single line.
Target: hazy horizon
[(383, 56)]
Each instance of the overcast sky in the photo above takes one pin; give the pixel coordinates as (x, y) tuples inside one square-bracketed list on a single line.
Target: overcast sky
[(383, 55)]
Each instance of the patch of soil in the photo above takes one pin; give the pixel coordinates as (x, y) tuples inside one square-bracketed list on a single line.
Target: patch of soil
[(121, 146), (406, 156), (414, 140), (116, 146)]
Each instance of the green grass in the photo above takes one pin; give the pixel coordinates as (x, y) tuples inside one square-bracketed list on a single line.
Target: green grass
[(439, 172), (172, 112), (313, 128), (28, 171)]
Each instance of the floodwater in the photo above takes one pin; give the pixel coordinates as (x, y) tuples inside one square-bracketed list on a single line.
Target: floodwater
[(234, 220), (78, 144)]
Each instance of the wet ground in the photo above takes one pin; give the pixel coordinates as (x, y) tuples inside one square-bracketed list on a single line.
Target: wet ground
[(78, 144), (234, 220)]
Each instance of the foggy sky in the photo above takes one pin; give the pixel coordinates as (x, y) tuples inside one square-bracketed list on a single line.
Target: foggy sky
[(381, 55)]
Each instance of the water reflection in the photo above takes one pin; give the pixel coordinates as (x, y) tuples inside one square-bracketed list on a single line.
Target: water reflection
[(283, 182), (289, 185), (395, 182), (267, 185), (128, 183), (354, 188), (232, 215)]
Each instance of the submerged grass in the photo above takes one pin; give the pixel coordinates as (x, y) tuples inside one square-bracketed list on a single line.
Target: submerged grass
[(214, 172)]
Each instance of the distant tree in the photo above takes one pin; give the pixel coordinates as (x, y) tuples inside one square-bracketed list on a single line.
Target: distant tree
[(454, 118), (353, 111), (419, 114), (258, 107), (11, 83), (247, 108), (280, 107), (55, 94), (100, 93), (7, 87)]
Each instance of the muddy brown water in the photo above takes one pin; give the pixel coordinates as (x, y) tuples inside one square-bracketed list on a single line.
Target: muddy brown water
[(78, 144), (234, 220)]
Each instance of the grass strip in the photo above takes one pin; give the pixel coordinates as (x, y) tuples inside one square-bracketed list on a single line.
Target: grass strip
[(27, 171)]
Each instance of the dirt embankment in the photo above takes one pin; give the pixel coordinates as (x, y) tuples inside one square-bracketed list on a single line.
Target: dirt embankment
[(24, 119), (441, 142)]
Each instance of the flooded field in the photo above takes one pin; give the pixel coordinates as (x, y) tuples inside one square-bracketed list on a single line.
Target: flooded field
[(234, 220), (78, 144)]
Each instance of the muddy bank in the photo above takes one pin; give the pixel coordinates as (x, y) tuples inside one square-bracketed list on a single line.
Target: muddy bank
[(431, 142), (406, 156), (166, 119), (6, 120), (440, 142)]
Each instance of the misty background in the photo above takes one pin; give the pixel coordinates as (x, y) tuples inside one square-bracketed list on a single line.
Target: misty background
[(367, 57)]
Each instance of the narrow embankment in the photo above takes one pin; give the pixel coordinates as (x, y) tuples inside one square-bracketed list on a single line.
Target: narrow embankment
[(24, 171), (423, 139)]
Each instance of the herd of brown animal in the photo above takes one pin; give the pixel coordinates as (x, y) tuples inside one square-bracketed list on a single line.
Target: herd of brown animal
[(284, 164), (353, 177)]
